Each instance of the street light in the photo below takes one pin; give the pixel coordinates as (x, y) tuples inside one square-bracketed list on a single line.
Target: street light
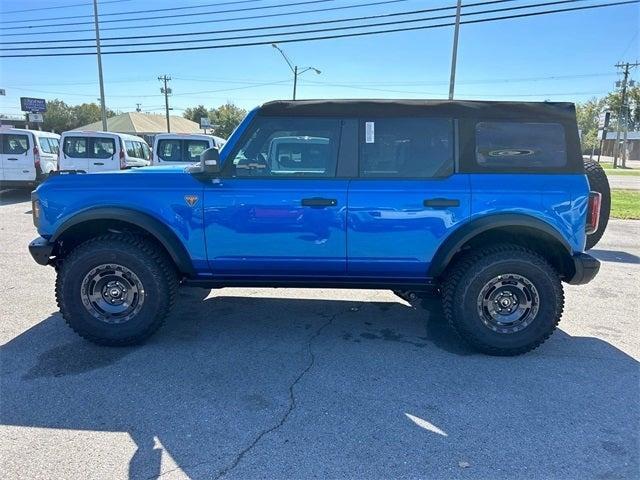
[(294, 69)]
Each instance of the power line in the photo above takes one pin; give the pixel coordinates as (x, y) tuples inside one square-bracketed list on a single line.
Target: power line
[(327, 37), (213, 12), (57, 7), (290, 25), (190, 7), (218, 20)]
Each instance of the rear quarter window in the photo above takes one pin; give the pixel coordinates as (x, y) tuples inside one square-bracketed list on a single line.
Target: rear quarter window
[(520, 145)]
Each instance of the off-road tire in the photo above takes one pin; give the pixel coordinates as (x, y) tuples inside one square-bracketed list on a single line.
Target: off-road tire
[(598, 182), (152, 266), (465, 280)]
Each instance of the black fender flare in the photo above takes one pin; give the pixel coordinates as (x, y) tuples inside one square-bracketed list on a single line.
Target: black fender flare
[(153, 226), (456, 240)]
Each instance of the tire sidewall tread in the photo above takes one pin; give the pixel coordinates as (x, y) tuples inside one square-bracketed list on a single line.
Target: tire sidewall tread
[(466, 279), (150, 264)]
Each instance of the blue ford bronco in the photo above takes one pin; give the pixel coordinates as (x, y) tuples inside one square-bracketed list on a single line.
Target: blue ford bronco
[(485, 203)]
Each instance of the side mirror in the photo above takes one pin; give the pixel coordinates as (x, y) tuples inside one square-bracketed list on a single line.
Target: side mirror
[(210, 160)]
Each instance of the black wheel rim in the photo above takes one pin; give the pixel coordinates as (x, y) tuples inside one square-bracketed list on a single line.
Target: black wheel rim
[(508, 303), (112, 293)]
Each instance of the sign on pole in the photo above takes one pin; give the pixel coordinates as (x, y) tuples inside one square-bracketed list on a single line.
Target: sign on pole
[(205, 123), (36, 118), (33, 105), (603, 120)]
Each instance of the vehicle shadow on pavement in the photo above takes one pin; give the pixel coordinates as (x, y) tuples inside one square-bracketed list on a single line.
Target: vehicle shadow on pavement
[(9, 197), (269, 387)]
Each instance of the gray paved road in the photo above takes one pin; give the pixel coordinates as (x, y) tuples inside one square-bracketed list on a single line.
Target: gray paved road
[(627, 182), (267, 383)]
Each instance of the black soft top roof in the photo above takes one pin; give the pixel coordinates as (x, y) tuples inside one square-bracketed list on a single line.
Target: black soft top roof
[(453, 108)]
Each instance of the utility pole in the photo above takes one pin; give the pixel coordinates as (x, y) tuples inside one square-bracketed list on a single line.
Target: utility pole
[(454, 55), (167, 91), (103, 108), (623, 113), (294, 69)]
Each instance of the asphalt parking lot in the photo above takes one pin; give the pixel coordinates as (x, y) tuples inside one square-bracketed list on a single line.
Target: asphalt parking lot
[(264, 383)]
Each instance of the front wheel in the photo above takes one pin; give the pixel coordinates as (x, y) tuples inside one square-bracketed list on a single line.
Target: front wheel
[(116, 289), (503, 300)]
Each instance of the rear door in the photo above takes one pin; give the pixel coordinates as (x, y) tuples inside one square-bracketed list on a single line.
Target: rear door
[(17, 157), (103, 155), (407, 198), (75, 153)]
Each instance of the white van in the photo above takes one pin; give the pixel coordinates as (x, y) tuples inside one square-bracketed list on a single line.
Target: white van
[(102, 151), (26, 156), (179, 148)]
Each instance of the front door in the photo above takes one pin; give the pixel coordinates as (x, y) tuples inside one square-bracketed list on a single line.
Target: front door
[(278, 209), (406, 199)]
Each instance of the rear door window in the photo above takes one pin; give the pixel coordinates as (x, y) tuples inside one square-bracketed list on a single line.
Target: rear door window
[(520, 145), (102, 147), (170, 150), (13, 144), (406, 148), (75, 147), (193, 148)]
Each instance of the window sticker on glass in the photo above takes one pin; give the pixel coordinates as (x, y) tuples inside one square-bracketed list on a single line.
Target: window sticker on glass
[(369, 132)]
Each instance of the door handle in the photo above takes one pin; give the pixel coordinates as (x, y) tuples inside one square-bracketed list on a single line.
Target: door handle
[(318, 202), (98, 163), (441, 202), (12, 159)]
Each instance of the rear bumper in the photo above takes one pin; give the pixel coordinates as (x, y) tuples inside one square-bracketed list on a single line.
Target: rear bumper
[(40, 249), (586, 268)]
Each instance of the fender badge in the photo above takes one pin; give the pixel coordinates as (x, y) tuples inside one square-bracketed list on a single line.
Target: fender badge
[(191, 200)]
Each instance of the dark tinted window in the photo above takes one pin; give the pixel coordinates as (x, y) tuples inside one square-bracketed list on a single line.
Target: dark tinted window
[(406, 147), (75, 147), (289, 147), (14, 144), (193, 148), (520, 145), (102, 147), (170, 150)]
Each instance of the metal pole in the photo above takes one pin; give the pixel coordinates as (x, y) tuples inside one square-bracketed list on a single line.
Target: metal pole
[(295, 80), (103, 108), (625, 136), (454, 55), (166, 91)]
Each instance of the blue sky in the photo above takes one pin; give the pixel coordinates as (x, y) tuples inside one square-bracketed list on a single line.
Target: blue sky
[(503, 60)]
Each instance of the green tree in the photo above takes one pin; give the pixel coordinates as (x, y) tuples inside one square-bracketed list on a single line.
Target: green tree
[(613, 101), (587, 115), (196, 113), (226, 118), (85, 114), (58, 117)]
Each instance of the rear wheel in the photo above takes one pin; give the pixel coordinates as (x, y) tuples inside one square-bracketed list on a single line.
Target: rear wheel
[(503, 300), (116, 290), (598, 182)]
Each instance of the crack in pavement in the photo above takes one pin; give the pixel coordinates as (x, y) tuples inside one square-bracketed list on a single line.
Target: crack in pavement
[(290, 408), (283, 419)]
